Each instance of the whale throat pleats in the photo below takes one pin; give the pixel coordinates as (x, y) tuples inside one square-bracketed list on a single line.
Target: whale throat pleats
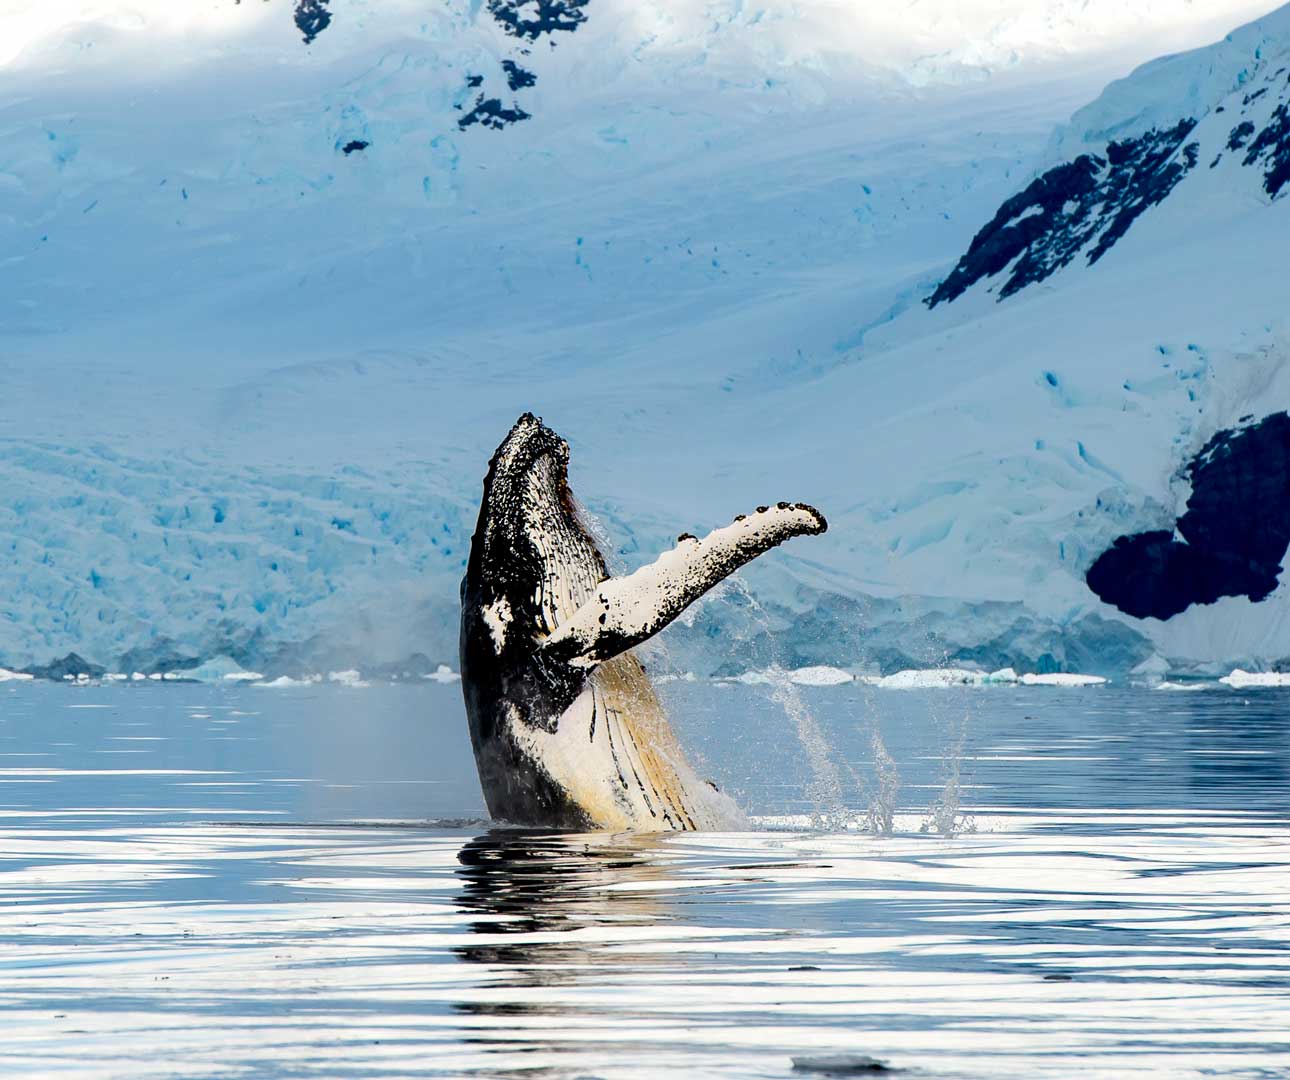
[(572, 563)]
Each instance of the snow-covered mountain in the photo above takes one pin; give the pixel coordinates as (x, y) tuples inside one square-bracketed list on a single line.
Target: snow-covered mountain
[(1175, 176), (275, 278)]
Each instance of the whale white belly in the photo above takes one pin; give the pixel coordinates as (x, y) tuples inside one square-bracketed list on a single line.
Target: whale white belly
[(615, 755)]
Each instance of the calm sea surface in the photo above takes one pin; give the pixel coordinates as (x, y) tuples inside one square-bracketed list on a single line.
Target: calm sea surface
[(1006, 882)]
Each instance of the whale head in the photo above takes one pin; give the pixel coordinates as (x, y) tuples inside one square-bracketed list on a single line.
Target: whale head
[(532, 561)]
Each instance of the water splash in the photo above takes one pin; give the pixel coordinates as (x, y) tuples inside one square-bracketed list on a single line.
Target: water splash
[(944, 816), (829, 811), (882, 807)]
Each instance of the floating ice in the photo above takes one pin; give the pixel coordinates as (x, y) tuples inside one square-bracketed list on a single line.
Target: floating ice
[(937, 678), (1242, 680), (751, 678), (929, 679), (1061, 678), (815, 675), (286, 681), (820, 675), (443, 674), (14, 676), (349, 677)]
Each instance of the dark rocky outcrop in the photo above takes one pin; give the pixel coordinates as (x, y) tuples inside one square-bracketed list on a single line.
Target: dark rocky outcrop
[(354, 145), (528, 21), (1230, 541), (491, 113), (163, 655), (1242, 131), (1086, 204), (312, 18), (1271, 148), (72, 665), (516, 77), (531, 19)]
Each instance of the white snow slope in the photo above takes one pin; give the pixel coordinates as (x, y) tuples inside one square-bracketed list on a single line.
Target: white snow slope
[(249, 382)]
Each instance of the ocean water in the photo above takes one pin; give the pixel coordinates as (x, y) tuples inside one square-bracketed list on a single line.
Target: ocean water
[(239, 882)]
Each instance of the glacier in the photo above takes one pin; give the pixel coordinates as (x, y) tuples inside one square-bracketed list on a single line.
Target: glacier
[(266, 304)]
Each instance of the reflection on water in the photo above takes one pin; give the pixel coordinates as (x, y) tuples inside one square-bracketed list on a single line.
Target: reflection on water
[(524, 884), (520, 880), (1161, 948), (551, 912), (166, 911)]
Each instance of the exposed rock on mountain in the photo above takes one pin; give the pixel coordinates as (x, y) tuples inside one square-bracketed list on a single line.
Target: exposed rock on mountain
[(312, 18), (1085, 205), (1230, 542)]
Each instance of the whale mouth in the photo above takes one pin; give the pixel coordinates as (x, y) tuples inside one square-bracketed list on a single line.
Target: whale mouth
[(528, 478), (528, 440), (534, 547)]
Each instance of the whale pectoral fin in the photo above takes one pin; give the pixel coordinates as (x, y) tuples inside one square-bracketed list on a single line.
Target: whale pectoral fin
[(625, 611)]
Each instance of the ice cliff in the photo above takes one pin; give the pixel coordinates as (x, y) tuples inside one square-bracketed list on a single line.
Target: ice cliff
[(275, 278)]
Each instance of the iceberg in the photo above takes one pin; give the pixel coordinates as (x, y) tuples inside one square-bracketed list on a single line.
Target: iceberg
[(813, 675), (1248, 680), (285, 682), (938, 678), (820, 675), (1059, 678), (349, 677), (929, 679)]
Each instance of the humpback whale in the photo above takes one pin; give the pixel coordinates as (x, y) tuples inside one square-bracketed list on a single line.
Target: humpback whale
[(566, 728)]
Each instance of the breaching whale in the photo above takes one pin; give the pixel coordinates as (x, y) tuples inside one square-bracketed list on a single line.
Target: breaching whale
[(566, 728)]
